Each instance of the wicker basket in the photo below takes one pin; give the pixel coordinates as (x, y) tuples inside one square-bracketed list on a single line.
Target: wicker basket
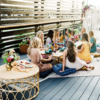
[(23, 48)]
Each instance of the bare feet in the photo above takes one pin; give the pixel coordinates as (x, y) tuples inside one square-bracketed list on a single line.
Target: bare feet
[(87, 69), (92, 68)]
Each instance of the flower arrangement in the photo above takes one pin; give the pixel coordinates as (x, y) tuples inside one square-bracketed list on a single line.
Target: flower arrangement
[(85, 8), (9, 57)]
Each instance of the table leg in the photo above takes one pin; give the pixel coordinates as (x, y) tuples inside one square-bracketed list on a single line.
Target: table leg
[(58, 59), (0, 94)]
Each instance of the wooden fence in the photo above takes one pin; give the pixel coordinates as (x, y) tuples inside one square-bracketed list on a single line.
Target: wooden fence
[(21, 18)]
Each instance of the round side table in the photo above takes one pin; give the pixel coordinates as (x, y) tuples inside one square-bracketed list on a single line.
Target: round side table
[(15, 85)]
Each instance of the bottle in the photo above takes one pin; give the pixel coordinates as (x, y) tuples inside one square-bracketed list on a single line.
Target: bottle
[(54, 50)]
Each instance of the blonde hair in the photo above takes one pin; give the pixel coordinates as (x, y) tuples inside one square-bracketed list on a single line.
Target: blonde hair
[(84, 30), (91, 34), (39, 36), (34, 43), (56, 35)]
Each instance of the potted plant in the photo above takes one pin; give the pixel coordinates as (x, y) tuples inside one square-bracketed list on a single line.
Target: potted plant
[(9, 57), (24, 44)]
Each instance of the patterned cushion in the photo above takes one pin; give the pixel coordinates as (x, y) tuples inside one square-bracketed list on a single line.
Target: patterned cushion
[(58, 67)]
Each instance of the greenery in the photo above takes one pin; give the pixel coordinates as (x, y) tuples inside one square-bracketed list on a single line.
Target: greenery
[(26, 41), (10, 56)]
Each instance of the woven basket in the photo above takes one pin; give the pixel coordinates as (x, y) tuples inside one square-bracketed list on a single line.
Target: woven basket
[(23, 48)]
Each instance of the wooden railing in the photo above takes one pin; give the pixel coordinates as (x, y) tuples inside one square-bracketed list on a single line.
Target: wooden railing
[(19, 19)]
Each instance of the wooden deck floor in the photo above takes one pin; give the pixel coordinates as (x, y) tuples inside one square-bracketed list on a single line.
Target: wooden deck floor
[(77, 88)]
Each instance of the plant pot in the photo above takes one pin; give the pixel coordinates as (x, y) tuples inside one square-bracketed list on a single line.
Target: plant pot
[(23, 48)]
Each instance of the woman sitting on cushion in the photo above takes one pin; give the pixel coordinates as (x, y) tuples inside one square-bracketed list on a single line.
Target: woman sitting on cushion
[(83, 30), (71, 59), (84, 52), (65, 35), (40, 36), (36, 57), (56, 38), (49, 37), (93, 42)]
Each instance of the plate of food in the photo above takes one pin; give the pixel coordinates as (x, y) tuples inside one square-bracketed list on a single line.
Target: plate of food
[(26, 64), (21, 68)]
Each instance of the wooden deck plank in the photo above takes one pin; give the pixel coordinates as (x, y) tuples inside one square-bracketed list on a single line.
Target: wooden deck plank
[(56, 89), (51, 86), (81, 89), (89, 89), (38, 97), (46, 84), (73, 89), (96, 92), (98, 97), (65, 89), (41, 83)]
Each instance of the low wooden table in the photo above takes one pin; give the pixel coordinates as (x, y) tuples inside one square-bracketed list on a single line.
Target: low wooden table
[(56, 55), (15, 85)]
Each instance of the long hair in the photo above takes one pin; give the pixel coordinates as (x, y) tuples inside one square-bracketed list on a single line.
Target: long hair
[(84, 30), (50, 34), (39, 33), (71, 54), (56, 35), (64, 32), (34, 43), (85, 37), (91, 34)]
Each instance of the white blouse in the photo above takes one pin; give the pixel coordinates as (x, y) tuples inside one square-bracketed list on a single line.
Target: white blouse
[(48, 40), (78, 64)]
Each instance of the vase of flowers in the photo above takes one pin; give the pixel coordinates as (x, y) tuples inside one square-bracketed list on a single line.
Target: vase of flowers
[(9, 57)]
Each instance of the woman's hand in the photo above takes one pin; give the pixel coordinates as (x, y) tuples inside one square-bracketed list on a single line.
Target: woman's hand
[(61, 71)]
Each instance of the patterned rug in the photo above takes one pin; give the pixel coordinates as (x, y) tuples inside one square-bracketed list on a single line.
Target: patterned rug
[(96, 72)]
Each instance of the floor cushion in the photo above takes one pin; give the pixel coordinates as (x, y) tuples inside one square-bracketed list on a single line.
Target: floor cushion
[(58, 67), (46, 73)]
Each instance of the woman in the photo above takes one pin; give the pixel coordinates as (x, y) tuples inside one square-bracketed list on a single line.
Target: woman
[(49, 37), (65, 35), (56, 38), (36, 57), (71, 59), (41, 37), (83, 30), (84, 52), (92, 42)]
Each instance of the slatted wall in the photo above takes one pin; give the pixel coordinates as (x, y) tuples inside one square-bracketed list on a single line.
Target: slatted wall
[(20, 18)]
